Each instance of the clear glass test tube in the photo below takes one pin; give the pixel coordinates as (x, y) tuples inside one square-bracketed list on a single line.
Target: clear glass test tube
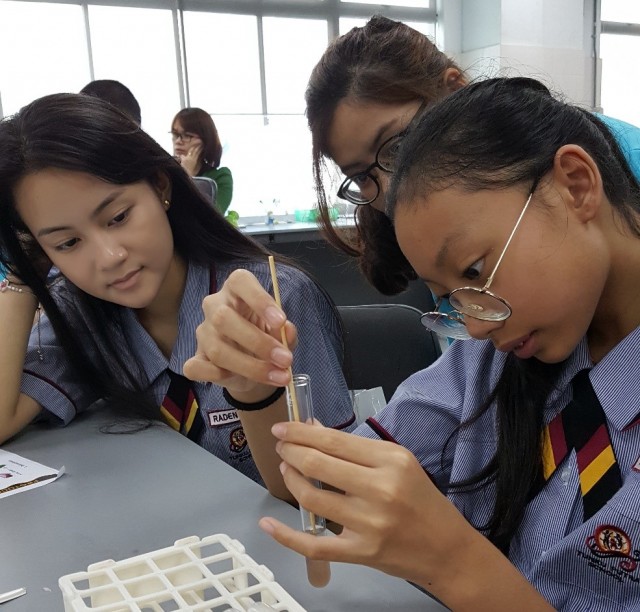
[(301, 409)]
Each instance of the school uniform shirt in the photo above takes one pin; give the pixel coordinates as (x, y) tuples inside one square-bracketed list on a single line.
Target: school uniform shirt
[(319, 354), (577, 566)]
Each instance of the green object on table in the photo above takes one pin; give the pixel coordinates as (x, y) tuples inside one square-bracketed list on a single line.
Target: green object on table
[(311, 215), (232, 217)]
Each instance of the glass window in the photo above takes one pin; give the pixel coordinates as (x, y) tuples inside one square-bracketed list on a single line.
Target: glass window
[(620, 10), (615, 51), (292, 47), (223, 62), (271, 164), (410, 3), (347, 23), (137, 47), (43, 49)]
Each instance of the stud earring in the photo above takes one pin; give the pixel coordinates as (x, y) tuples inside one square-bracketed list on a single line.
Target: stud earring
[(166, 204)]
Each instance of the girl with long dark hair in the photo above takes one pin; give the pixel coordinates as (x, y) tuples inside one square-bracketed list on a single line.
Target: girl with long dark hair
[(102, 228)]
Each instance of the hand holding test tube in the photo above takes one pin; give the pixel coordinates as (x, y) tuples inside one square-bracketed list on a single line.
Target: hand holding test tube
[(300, 407)]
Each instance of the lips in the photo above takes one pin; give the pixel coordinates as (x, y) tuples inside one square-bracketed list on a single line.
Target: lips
[(513, 346), (524, 347), (123, 280)]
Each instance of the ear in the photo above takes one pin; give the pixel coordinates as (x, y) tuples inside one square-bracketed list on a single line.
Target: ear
[(162, 185), (453, 79), (576, 175)]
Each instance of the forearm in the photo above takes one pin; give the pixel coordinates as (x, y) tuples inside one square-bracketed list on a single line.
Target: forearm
[(257, 428), (477, 577), (17, 311)]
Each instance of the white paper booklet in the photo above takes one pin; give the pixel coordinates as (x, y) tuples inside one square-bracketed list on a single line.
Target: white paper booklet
[(19, 474)]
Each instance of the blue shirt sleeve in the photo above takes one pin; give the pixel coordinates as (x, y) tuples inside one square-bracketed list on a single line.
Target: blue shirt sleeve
[(628, 138), (48, 379), (319, 351)]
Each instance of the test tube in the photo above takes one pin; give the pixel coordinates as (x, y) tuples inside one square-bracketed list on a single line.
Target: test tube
[(300, 407)]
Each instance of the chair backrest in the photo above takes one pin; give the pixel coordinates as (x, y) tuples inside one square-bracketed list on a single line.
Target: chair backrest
[(384, 345), (208, 187)]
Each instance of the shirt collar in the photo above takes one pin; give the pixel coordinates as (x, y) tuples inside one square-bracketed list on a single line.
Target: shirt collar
[(616, 381), (190, 316)]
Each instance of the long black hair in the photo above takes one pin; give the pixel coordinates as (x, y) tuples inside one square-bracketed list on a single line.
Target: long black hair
[(497, 134), (85, 134)]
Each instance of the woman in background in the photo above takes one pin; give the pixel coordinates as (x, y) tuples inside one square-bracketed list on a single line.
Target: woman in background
[(197, 147)]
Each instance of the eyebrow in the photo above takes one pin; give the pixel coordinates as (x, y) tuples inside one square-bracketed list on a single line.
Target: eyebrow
[(374, 146), (108, 200), (449, 241)]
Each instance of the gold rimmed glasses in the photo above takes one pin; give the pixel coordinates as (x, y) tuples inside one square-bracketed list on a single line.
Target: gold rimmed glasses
[(448, 317)]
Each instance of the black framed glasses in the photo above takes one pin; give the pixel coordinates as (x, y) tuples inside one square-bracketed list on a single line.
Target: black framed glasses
[(186, 137), (364, 188), (448, 317)]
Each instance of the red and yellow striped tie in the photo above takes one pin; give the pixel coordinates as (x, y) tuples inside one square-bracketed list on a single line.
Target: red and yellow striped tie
[(180, 407), (582, 426)]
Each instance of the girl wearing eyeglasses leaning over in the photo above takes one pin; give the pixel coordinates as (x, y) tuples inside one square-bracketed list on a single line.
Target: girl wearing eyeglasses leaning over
[(505, 476), (139, 253), (196, 145), (364, 92)]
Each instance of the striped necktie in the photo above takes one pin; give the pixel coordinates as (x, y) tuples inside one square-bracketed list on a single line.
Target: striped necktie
[(582, 426), (180, 407)]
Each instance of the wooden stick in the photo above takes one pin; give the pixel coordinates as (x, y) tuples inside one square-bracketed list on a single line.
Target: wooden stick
[(290, 386), (283, 336)]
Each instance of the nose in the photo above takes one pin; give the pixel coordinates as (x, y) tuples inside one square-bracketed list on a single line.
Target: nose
[(383, 178), (481, 330), (109, 253)]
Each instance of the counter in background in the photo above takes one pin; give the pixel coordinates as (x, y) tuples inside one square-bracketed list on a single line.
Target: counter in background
[(338, 274)]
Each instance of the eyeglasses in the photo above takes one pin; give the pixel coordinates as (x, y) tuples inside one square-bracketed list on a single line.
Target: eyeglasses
[(186, 137), (472, 302), (364, 188)]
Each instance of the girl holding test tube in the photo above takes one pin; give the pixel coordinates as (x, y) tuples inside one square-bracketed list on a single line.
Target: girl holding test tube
[(523, 210)]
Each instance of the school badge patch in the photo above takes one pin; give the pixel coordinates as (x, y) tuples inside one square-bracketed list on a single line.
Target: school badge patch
[(237, 440), (611, 552)]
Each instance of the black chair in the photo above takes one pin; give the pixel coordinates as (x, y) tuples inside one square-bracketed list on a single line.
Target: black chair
[(208, 187), (384, 345)]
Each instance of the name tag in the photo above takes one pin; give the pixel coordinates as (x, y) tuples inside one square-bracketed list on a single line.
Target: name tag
[(217, 418)]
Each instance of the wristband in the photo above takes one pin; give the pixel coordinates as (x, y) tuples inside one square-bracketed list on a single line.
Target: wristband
[(254, 405)]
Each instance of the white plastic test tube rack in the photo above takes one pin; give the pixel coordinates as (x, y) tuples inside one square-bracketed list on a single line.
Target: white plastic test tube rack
[(211, 574)]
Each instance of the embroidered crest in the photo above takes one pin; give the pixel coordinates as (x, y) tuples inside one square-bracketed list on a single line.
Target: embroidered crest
[(237, 440), (609, 542)]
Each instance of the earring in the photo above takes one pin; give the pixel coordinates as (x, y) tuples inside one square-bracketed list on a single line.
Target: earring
[(166, 204)]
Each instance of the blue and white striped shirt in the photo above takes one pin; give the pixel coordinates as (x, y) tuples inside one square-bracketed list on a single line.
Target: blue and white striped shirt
[(319, 353), (576, 566)]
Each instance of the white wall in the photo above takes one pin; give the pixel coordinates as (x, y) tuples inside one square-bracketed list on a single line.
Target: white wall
[(550, 40)]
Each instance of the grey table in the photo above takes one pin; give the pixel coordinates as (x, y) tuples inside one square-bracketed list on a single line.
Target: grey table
[(124, 495)]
